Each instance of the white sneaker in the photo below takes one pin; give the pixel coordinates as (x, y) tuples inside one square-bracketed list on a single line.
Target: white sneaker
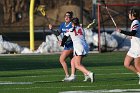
[(86, 78), (91, 76), (71, 78), (66, 77)]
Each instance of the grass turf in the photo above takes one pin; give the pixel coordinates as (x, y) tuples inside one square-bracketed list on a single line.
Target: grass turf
[(43, 74)]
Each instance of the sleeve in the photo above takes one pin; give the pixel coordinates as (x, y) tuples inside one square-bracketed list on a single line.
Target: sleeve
[(132, 33), (135, 26), (57, 32)]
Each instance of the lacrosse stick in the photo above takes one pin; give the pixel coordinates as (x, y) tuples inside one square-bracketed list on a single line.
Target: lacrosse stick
[(103, 2), (93, 22), (41, 9)]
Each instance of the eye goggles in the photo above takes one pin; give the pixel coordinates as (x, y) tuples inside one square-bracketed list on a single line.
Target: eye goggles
[(68, 15)]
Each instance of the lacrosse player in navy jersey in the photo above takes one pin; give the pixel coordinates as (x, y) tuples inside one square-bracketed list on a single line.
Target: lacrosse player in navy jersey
[(134, 52), (68, 47), (80, 48)]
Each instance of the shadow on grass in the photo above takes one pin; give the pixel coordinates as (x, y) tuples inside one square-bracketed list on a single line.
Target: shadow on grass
[(22, 65), (29, 62)]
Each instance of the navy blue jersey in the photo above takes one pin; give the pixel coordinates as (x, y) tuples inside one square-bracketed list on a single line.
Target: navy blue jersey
[(63, 29)]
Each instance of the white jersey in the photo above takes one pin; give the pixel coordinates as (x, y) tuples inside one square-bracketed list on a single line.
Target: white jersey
[(79, 43), (134, 50)]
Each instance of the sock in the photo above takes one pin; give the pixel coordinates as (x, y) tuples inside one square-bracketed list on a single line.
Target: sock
[(88, 73), (85, 74), (67, 75)]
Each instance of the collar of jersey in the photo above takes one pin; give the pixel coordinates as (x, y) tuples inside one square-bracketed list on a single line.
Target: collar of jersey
[(67, 24)]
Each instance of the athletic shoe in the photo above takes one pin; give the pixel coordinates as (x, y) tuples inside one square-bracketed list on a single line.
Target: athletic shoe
[(71, 78), (86, 78), (91, 76), (66, 77)]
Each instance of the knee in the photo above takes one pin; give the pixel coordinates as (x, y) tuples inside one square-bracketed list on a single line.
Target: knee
[(77, 66), (61, 60), (126, 64), (137, 64), (72, 61)]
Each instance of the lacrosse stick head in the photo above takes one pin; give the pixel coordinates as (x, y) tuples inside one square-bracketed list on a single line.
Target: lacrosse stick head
[(93, 22), (41, 9)]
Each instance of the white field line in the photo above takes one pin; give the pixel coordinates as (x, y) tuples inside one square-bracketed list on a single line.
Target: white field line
[(106, 91), (13, 83)]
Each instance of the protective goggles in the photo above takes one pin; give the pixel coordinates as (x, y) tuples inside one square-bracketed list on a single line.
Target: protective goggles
[(68, 15)]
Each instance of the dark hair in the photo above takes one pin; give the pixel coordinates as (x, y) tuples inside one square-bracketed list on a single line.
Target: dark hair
[(70, 14), (135, 11), (75, 21)]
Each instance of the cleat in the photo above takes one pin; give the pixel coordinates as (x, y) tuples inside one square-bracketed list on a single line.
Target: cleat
[(92, 77), (86, 78), (71, 78), (66, 77)]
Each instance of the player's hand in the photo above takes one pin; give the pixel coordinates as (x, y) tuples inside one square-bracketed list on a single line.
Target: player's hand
[(118, 29), (50, 26)]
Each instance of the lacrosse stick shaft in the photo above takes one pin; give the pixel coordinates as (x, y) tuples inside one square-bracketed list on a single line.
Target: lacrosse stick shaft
[(50, 23), (57, 37), (111, 17), (103, 1), (43, 12)]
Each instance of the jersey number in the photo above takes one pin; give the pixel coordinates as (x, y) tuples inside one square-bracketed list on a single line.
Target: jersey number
[(79, 32)]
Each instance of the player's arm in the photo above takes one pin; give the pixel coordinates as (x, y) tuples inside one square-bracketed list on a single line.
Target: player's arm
[(57, 32), (132, 33)]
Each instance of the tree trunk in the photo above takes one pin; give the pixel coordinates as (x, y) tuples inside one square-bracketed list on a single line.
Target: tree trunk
[(13, 8)]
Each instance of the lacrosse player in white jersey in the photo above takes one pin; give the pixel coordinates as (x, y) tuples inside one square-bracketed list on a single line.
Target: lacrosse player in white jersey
[(80, 49), (134, 51)]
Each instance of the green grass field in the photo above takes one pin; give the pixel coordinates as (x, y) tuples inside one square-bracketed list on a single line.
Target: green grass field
[(43, 74)]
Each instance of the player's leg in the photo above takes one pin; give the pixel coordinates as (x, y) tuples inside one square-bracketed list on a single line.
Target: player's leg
[(72, 76), (72, 67), (62, 59), (73, 70), (137, 66), (128, 65), (78, 65)]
